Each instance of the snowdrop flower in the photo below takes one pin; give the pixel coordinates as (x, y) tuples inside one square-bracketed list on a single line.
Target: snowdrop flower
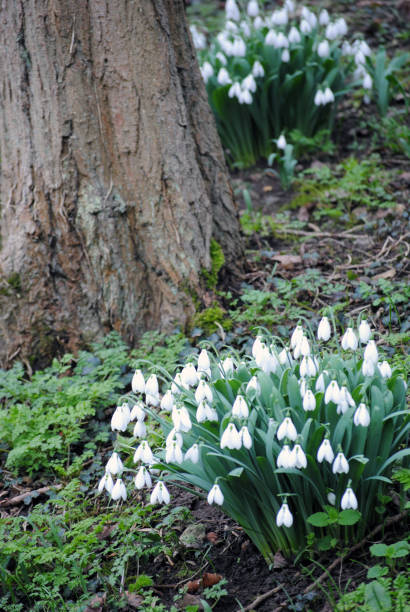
[(220, 56), (300, 457), (364, 331), (285, 55), (332, 393), (173, 453), (215, 496), (181, 420), (281, 142), (287, 430), (120, 418), (167, 402), (284, 516), (198, 38), (119, 490), (285, 357), (143, 478), (231, 438), (223, 78), (320, 383), (253, 385), (349, 340), (174, 436), (234, 91), (323, 49), (345, 400), (296, 336), (302, 348), (319, 98), (280, 17), (245, 97), (294, 36), (203, 392), (106, 483), (177, 384), (232, 10), (347, 48), (367, 81), (257, 346), (289, 6), (245, 437), (349, 500), (331, 498), (324, 17), (309, 401), (258, 23), (114, 464), (189, 375), (245, 28), (160, 494), (228, 366), (332, 31), (205, 413), (328, 96), (270, 38), (384, 369), (238, 48), (370, 352), (249, 83), (340, 464), (286, 458), (144, 453), (309, 16), (360, 58), (303, 387), (151, 391), (140, 431), (253, 8), (137, 412), (307, 367), (325, 452), (240, 408), (266, 361), (324, 331), (341, 26), (204, 364), (257, 69), (192, 454), (368, 367), (305, 27), (281, 41), (231, 26), (361, 416), (207, 71), (138, 382)]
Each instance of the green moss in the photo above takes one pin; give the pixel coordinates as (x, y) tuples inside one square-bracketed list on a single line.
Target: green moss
[(217, 261), (210, 319), (15, 282)]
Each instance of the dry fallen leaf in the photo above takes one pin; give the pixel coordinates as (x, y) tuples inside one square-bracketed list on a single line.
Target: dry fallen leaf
[(390, 273), (209, 580), (288, 261), (96, 604), (133, 599), (279, 561), (212, 537), (193, 586)]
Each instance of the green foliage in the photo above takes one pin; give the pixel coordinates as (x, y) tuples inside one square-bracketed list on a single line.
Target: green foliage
[(44, 416), (217, 261), (212, 319), (286, 166), (164, 349), (309, 144), (385, 81)]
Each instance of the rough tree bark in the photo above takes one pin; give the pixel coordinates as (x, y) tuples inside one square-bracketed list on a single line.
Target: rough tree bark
[(112, 176)]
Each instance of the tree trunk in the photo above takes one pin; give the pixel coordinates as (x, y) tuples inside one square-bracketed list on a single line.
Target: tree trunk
[(112, 180)]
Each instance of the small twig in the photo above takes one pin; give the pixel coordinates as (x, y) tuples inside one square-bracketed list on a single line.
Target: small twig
[(261, 598), (16, 500)]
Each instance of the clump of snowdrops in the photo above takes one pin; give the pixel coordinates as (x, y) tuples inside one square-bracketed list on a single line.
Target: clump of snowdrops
[(273, 437), (269, 73)]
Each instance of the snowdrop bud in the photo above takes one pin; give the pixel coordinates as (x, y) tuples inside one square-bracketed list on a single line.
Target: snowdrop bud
[(285, 357), (271, 38), (257, 346), (220, 56), (137, 412), (143, 453), (285, 56), (324, 331), (249, 83), (294, 36), (286, 458), (368, 367), (309, 16), (280, 17), (138, 382), (257, 69), (206, 71), (384, 369), (223, 78), (160, 494), (167, 402), (232, 10), (296, 336), (284, 516), (215, 496), (119, 490), (228, 366), (245, 437), (258, 22), (173, 453), (253, 8), (151, 388), (305, 27), (192, 454), (281, 142), (176, 384), (181, 419), (189, 375), (332, 393), (331, 498), (204, 364), (367, 81), (253, 385), (114, 464), (370, 352), (324, 17), (320, 383), (323, 49), (328, 96), (364, 331), (349, 500), (303, 387), (231, 438), (140, 431), (340, 464), (309, 401), (120, 418), (325, 452), (174, 436), (300, 457), (240, 408), (203, 392), (349, 340), (143, 478), (361, 416), (106, 483), (287, 430)]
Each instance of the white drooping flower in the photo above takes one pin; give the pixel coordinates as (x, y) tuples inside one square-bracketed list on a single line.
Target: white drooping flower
[(307, 367), (228, 366), (302, 348), (281, 142), (174, 436), (177, 384), (207, 71), (204, 363), (192, 454), (331, 498), (325, 452), (189, 375), (279, 17), (271, 38), (384, 369), (257, 346), (285, 56), (320, 382), (266, 361), (349, 500), (143, 478), (296, 336), (245, 97), (309, 401), (285, 357), (258, 22), (223, 78), (232, 10), (151, 391), (203, 392), (120, 418), (319, 98), (231, 438), (303, 387), (361, 416), (140, 430), (138, 382), (328, 96), (114, 464), (294, 35), (345, 401), (220, 56), (324, 331), (253, 385), (323, 49), (340, 464), (215, 496), (119, 491), (258, 70), (106, 483), (284, 516), (368, 367), (300, 457), (167, 402), (238, 47), (240, 408), (287, 430), (181, 419), (286, 458), (332, 392), (309, 16), (253, 8), (144, 453), (324, 17), (371, 353), (173, 453), (249, 83), (245, 437), (365, 332), (367, 81), (349, 340), (160, 494), (305, 27), (205, 412), (198, 38), (137, 412)]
